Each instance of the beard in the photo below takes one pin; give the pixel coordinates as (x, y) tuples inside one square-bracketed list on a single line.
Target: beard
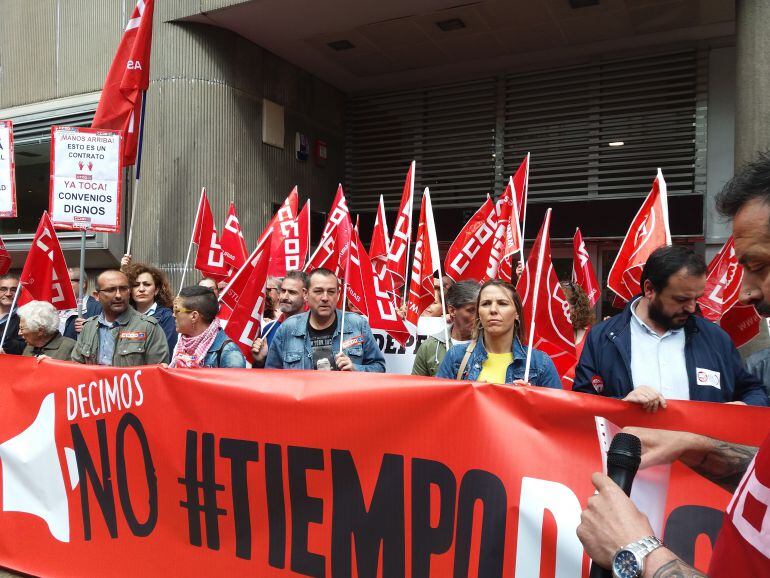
[(763, 308), (655, 311)]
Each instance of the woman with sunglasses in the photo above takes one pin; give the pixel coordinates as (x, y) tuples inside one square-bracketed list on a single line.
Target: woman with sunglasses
[(202, 341), (496, 354)]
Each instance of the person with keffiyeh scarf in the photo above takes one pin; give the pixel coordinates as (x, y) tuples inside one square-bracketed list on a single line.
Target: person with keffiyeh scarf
[(202, 341)]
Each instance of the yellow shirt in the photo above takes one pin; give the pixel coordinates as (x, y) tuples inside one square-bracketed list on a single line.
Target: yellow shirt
[(495, 367)]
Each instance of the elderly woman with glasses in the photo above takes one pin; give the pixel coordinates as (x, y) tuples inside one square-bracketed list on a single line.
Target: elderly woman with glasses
[(39, 327), (202, 341)]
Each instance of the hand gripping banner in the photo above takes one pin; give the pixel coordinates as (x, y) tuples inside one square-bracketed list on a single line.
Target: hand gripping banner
[(159, 472)]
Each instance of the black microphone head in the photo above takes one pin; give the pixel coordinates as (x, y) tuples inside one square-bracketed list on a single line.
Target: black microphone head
[(625, 452)]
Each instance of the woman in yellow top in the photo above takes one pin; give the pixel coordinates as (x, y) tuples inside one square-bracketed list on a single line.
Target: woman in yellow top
[(497, 354)]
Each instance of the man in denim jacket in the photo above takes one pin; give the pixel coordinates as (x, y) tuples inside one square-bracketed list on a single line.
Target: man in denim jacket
[(312, 340)]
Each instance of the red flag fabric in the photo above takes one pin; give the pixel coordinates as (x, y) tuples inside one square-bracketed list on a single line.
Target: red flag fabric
[(514, 241), (648, 231), (582, 269), (248, 297), (285, 252), (232, 242), (5, 258), (335, 239), (378, 248), (545, 306), (371, 299), (237, 286), (120, 103), (741, 322), (723, 283), (303, 234), (468, 256), (425, 263), (402, 234), (504, 210), (210, 259), (521, 188), (44, 277)]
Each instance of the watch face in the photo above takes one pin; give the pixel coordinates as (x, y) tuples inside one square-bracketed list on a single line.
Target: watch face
[(626, 565)]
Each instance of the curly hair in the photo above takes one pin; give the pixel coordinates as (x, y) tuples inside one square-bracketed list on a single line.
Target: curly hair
[(165, 297), (519, 326), (580, 311)]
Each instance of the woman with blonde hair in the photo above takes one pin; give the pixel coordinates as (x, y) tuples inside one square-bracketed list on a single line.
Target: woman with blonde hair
[(497, 353)]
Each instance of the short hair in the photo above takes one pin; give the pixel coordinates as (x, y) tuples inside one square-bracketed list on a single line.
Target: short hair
[(581, 313), (323, 272), (8, 276), (200, 299), (666, 261), (99, 276), (164, 298), (751, 182), (39, 315), (84, 280), (519, 326), (462, 293), (300, 276)]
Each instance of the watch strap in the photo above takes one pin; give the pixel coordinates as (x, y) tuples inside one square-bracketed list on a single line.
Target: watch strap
[(644, 546)]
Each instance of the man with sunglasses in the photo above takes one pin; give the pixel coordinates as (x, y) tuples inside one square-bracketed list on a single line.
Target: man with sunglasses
[(119, 336)]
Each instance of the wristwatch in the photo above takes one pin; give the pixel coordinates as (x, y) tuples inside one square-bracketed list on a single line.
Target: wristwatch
[(628, 562)]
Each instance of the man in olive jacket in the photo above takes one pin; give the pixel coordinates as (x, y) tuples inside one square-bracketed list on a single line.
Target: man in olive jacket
[(119, 336), (461, 305)]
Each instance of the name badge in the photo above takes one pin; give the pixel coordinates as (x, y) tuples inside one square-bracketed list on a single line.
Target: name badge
[(357, 340), (707, 377), (133, 336)]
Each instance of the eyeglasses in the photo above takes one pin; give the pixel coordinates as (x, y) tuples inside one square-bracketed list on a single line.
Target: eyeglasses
[(10, 290), (178, 310), (113, 290)]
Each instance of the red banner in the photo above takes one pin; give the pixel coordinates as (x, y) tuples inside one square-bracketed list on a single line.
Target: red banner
[(159, 472)]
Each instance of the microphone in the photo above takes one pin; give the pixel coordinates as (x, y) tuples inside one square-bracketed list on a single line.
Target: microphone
[(623, 460)]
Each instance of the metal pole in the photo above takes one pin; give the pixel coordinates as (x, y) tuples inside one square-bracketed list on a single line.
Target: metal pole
[(135, 194), (82, 271)]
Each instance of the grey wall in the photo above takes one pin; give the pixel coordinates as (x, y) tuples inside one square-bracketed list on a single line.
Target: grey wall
[(204, 105)]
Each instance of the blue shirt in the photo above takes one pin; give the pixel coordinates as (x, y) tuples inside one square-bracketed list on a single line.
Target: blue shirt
[(107, 336)]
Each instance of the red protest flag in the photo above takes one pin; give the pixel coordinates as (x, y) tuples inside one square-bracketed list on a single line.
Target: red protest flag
[(468, 256), (210, 259), (648, 231), (378, 248), (398, 252), (723, 283), (582, 269), (129, 75), (237, 285), (363, 289), (303, 234), (232, 241), (5, 258), (545, 306), (332, 250), (741, 322), (520, 183), (45, 277), (248, 299), (504, 210), (514, 240), (285, 254), (425, 263)]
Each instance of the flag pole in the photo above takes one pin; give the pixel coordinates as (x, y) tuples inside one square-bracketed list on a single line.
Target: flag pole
[(432, 233), (192, 237), (409, 230), (135, 195), (8, 322), (345, 295), (525, 197), (541, 253), (308, 231), (82, 271)]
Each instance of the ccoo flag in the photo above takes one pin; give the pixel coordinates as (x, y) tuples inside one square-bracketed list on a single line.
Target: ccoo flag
[(648, 231), (129, 75)]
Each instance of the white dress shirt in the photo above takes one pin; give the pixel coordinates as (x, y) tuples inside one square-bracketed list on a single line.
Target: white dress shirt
[(657, 361)]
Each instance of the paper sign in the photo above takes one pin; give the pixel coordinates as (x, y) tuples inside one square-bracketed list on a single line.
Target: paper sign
[(86, 178), (7, 171)]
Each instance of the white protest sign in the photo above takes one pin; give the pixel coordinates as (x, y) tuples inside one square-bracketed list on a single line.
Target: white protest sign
[(86, 177), (7, 171), (400, 359)]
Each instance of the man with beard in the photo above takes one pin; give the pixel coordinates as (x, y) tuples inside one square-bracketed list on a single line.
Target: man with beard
[(658, 349), (292, 299), (119, 336)]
